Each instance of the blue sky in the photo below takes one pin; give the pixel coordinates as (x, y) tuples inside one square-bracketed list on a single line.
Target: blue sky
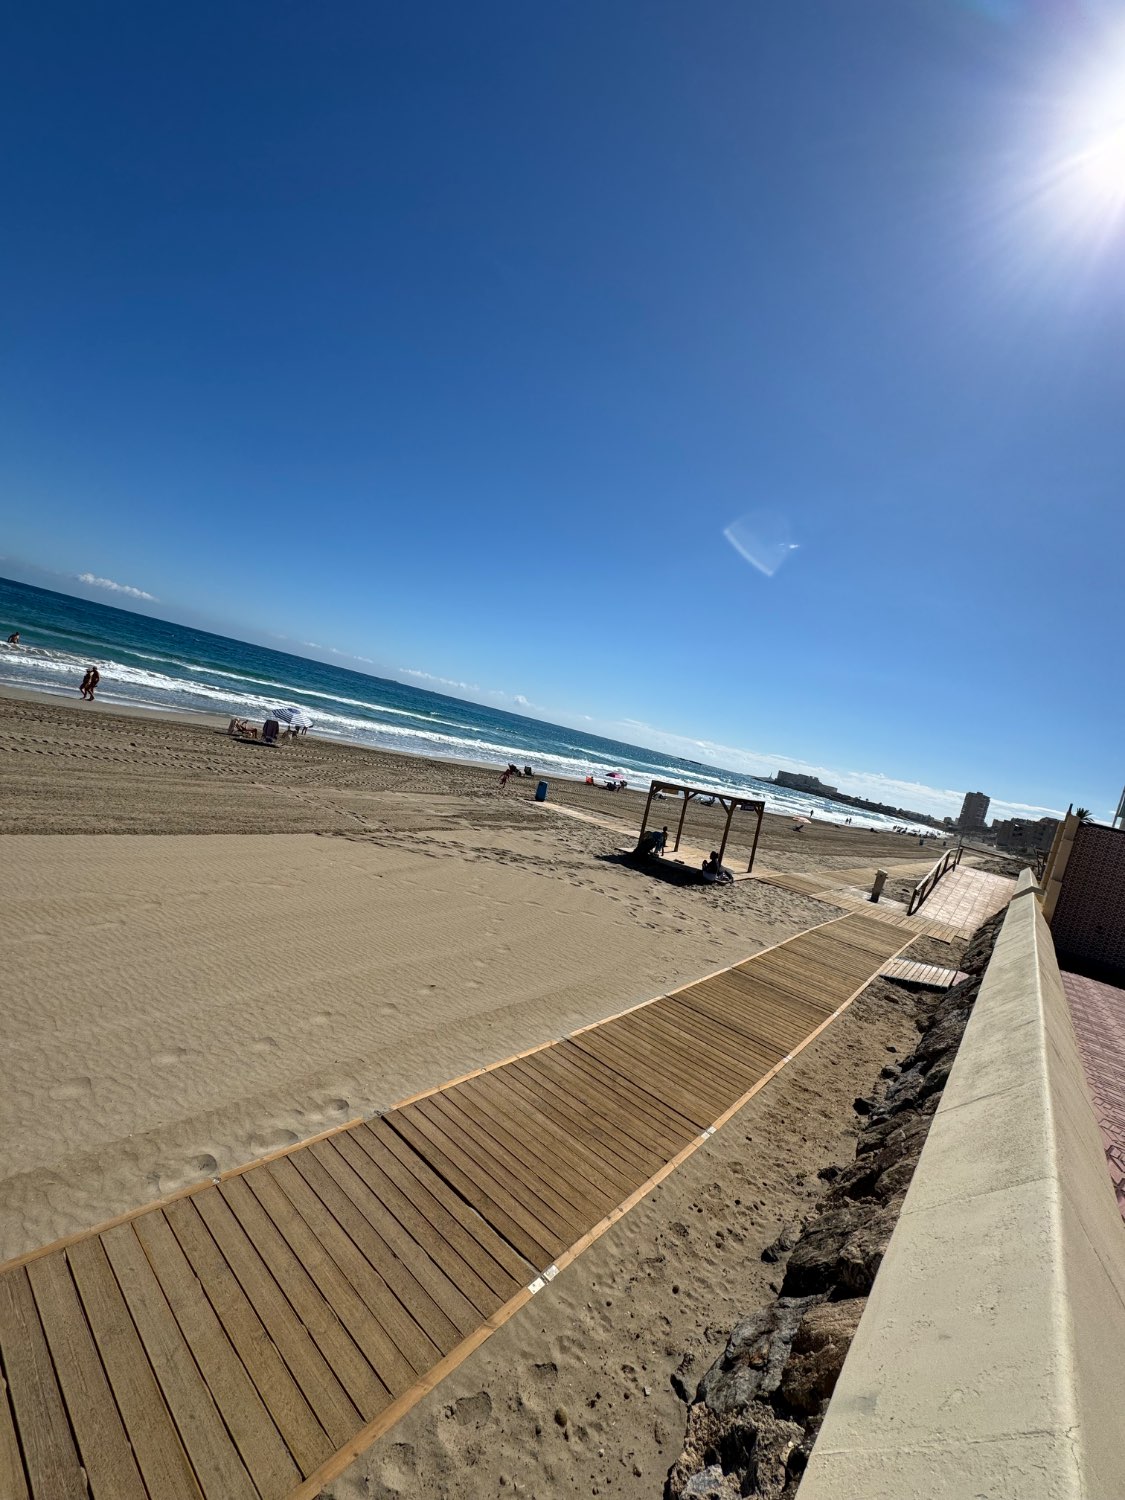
[(457, 337)]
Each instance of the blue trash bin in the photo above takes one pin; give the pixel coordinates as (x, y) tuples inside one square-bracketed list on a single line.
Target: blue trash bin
[(541, 792)]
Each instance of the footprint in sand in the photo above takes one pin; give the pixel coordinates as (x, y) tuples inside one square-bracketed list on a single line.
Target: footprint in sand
[(399, 1466), (170, 1057), (167, 1180), (264, 1044), (473, 1411), (68, 1089), (266, 1142)]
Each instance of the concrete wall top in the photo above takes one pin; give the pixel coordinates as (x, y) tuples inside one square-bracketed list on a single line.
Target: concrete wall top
[(990, 1359)]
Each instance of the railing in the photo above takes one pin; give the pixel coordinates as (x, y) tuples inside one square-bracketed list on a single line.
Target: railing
[(949, 861)]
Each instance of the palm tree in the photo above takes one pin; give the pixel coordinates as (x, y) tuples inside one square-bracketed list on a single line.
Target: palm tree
[(1082, 814)]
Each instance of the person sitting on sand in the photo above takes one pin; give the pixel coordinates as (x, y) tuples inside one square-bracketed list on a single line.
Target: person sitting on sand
[(648, 845), (14, 638), (713, 868)]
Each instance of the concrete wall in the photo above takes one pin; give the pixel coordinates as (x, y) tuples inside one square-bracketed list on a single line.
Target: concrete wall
[(990, 1360)]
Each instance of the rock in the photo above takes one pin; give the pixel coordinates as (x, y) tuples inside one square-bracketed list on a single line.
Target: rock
[(819, 1349), (841, 1252), (862, 1254), (754, 1358), (862, 1106), (711, 1484), (784, 1242), (810, 1269), (900, 1135)]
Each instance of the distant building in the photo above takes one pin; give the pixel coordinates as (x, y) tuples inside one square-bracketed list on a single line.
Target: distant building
[(974, 810), (1025, 836), (797, 781)]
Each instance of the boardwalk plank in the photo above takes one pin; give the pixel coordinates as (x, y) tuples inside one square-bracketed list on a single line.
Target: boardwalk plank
[(525, 1184), (214, 1457), (631, 1108), (48, 1448), (304, 1436), (644, 1069), (435, 1231), (609, 1103), (377, 1137), (324, 1300), (574, 1131), (245, 1414), (491, 1200), (410, 1277), (161, 1456), (362, 1211), (334, 1408), (13, 1480), (532, 1137), (103, 1445)]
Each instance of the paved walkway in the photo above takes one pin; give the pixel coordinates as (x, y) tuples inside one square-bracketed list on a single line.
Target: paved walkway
[(966, 897), (245, 1340), (1098, 1012)]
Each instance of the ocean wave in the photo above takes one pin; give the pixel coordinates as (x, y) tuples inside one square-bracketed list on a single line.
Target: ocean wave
[(406, 732)]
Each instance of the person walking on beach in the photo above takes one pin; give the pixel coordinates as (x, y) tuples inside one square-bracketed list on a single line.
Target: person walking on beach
[(90, 682)]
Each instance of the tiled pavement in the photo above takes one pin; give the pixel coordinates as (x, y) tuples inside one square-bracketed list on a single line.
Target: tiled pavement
[(1098, 1011)]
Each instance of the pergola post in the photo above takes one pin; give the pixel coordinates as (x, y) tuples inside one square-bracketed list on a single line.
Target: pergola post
[(648, 804), (757, 834), (683, 814), (726, 831)]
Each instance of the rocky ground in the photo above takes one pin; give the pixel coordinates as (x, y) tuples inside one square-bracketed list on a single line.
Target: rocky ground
[(757, 1410)]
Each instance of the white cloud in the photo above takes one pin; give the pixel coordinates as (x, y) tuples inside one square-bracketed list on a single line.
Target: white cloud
[(521, 700), (873, 786), (117, 588)]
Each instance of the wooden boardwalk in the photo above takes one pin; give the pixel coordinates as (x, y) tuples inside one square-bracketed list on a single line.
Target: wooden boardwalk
[(822, 886), (246, 1339), (928, 974), (966, 897)]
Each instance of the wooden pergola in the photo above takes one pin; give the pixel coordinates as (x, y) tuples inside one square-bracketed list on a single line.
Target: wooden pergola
[(678, 788)]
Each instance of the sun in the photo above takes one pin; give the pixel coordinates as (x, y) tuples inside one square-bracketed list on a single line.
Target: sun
[(1089, 169), (1099, 170)]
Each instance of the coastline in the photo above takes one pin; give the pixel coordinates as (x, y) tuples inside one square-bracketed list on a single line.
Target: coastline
[(207, 756)]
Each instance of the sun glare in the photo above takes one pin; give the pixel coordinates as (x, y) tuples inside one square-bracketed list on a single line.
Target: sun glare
[(1089, 169)]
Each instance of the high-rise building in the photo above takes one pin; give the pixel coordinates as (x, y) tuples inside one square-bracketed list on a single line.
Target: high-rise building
[(973, 812)]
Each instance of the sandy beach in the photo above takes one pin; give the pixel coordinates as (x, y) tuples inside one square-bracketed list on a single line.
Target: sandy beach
[(213, 950)]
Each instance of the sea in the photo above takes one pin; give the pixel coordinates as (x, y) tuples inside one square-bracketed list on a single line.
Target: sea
[(146, 663)]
